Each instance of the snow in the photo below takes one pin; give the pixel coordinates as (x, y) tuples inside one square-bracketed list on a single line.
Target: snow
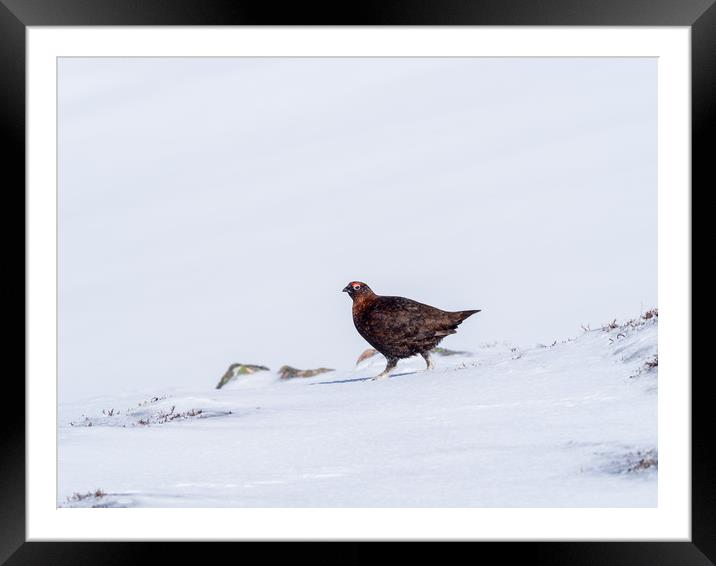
[(571, 423)]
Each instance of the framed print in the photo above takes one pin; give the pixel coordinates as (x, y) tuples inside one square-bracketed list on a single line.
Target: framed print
[(400, 275)]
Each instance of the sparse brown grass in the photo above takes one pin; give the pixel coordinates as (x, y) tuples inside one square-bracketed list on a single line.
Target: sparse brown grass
[(113, 417), (96, 494), (651, 313), (163, 417), (84, 421), (644, 461), (611, 326), (624, 327), (151, 401)]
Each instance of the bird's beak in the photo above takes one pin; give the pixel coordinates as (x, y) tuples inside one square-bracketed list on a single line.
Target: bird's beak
[(346, 289)]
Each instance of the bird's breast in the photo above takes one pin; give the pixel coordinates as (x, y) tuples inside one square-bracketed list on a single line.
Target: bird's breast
[(361, 315), (361, 305)]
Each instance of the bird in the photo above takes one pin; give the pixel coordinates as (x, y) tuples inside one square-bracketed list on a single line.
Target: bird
[(398, 327)]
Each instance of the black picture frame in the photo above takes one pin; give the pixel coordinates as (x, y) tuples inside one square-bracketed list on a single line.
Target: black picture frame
[(17, 15)]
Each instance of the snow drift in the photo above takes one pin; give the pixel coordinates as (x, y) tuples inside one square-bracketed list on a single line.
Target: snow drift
[(570, 423)]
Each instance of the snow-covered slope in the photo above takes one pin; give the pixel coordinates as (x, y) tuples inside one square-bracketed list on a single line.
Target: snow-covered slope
[(568, 424)]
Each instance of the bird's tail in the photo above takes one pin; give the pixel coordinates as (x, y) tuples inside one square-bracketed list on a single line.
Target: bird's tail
[(462, 315)]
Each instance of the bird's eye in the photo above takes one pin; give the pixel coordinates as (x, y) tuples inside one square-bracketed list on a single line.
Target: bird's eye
[(356, 287)]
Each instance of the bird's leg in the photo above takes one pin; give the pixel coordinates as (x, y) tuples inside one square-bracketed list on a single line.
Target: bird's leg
[(392, 362), (426, 357)]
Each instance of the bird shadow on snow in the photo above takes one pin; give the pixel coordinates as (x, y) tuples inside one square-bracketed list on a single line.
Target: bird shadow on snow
[(355, 379), (402, 374)]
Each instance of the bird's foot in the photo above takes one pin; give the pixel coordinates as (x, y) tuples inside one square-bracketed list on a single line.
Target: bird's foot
[(428, 361), (383, 376)]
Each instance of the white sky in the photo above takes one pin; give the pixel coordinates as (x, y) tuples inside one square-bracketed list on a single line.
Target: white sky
[(211, 210)]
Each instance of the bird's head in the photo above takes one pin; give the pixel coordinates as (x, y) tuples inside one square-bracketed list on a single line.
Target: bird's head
[(357, 289)]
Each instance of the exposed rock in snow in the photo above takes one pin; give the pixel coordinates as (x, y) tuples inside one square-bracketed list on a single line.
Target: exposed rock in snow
[(370, 352), (447, 352), (235, 370), (288, 372)]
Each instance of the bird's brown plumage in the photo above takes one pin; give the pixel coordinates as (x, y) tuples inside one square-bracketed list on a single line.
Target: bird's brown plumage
[(398, 327)]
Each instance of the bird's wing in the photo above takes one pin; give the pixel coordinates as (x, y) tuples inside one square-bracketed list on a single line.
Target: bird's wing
[(398, 316)]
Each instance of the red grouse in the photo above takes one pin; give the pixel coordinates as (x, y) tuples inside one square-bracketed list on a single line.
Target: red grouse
[(398, 327)]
